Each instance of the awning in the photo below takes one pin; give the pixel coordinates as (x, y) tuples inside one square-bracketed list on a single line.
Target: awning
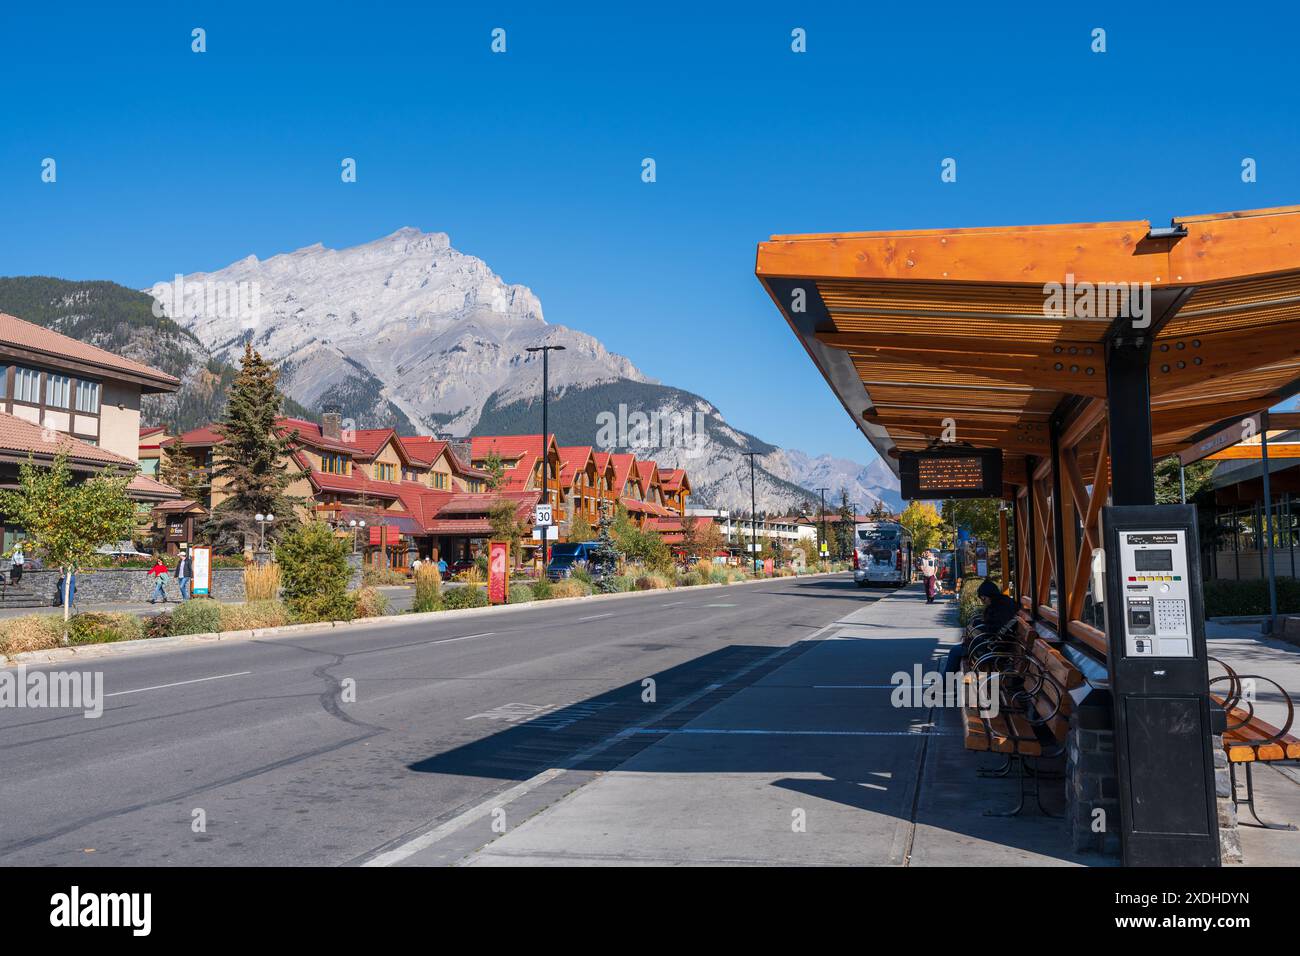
[(989, 331)]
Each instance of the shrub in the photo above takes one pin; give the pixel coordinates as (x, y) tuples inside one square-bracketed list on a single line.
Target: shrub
[(651, 581), (158, 625), (570, 588), (473, 575), (1247, 598), (468, 596), (314, 571), (332, 606), (31, 632), (97, 627), (428, 589), (968, 602), (196, 616), (580, 573), (719, 576), (381, 577), (624, 582), (370, 603), (261, 582), (520, 594), (245, 617), (542, 589)]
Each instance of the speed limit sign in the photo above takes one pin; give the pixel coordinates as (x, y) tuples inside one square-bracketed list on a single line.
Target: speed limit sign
[(542, 515)]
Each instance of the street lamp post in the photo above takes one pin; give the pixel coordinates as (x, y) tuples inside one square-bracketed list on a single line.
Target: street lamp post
[(753, 511), (546, 351), (262, 521), (824, 543), (354, 524)]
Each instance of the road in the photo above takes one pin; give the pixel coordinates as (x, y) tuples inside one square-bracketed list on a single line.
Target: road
[(262, 741)]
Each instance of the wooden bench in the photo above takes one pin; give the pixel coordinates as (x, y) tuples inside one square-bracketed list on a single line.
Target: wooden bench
[(1248, 739), (1033, 717)]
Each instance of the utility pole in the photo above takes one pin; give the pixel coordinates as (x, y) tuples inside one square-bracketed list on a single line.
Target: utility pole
[(753, 510), (546, 351), (824, 544)]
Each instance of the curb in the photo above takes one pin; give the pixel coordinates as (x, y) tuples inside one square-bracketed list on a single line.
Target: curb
[(144, 645)]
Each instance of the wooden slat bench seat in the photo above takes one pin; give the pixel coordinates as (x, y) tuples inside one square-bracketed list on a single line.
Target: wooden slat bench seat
[(1034, 707), (1249, 739)]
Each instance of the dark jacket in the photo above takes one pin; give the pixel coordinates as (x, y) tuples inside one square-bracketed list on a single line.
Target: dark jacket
[(998, 613)]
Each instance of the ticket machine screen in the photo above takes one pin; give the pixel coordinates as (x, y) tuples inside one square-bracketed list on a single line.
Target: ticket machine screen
[(1153, 570)]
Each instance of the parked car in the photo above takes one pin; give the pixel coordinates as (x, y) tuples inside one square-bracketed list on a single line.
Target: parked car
[(460, 567), (565, 556)]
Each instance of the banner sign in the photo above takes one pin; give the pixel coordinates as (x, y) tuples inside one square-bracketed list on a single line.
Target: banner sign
[(498, 571), (201, 557)]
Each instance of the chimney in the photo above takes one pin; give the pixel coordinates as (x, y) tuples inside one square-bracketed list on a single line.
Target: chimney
[(461, 449), (331, 422)]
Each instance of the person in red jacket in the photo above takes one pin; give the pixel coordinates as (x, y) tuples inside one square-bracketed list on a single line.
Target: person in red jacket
[(159, 573)]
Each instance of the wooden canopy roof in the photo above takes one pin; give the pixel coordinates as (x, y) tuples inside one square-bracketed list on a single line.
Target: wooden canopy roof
[(914, 327)]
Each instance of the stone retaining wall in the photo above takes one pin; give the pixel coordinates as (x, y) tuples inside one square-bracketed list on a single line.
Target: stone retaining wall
[(120, 586)]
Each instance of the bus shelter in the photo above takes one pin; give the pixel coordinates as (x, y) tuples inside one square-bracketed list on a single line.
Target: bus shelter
[(1081, 352)]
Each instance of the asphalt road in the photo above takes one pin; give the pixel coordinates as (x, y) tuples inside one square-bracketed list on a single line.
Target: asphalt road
[(264, 739)]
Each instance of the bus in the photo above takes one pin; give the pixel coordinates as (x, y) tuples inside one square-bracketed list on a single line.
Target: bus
[(882, 554)]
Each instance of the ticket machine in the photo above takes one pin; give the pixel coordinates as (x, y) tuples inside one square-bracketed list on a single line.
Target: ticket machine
[(1159, 683)]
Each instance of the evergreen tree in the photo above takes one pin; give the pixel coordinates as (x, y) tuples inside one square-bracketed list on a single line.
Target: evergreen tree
[(843, 533), (182, 471), (251, 463), (496, 470)]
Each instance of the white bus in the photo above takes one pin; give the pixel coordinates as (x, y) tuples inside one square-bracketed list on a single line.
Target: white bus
[(882, 554)]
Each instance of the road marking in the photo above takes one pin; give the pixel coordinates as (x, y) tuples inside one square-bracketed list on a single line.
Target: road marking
[(595, 617), (467, 637), (799, 733), (179, 683), (462, 820), (859, 686)]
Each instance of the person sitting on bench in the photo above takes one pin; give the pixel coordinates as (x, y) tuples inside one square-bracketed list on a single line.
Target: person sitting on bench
[(999, 610)]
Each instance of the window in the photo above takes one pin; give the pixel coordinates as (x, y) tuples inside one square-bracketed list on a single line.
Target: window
[(385, 471), (27, 385), (4, 381), (88, 397), (58, 390), (439, 480), (334, 464), (475, 485)]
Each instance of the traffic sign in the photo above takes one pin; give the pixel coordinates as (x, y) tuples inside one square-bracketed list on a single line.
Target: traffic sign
[(552, 532), (542, 514)]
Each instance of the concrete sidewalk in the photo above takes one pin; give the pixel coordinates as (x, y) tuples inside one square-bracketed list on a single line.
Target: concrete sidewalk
[(812, 765), (809, 765)]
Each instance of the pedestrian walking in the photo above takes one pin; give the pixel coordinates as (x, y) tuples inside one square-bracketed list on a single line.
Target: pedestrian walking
[(159, 574), (18, 560), (185, 575), (928, 572)]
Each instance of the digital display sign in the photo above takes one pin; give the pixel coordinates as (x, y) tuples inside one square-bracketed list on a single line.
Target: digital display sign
[(951, 473)]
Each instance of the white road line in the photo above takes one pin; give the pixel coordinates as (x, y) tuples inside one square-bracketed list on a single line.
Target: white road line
[(467, 637), (798, 733), (179, 683), (862, 686), (462, 820), (596, 617)]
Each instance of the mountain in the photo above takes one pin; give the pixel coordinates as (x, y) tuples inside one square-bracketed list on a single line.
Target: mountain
[(408, 331), (866, 484), (121, 320)]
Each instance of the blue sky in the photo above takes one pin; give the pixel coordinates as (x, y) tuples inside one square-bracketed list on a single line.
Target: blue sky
[(171, 161)]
